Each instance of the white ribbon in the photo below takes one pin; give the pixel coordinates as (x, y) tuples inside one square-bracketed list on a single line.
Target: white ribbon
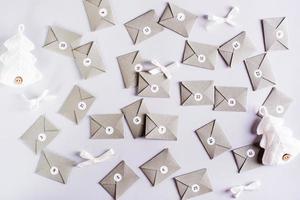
[(34, 103), (237, 190), (216, 20), (90, 159), (166, 70)]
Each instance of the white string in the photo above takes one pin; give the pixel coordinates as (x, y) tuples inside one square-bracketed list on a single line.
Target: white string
[(166, 70), (34, 103), (236, 191), (214, 20), (90, 159), (21, 28)]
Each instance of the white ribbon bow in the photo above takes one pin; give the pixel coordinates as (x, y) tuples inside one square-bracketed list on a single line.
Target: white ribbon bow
[(166, 70), (34, 103), (237, 190), (90, 159), (216, 20)]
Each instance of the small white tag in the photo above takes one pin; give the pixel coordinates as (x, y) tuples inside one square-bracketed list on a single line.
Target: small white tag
[(181, 17), (279, 34), (236, 45), (195, 188), (103, 12), (250, 153), (137, 120), (258, 73), (42, 137), (87, 62), (231, 102), (162, 129), (198, 96), (54, 170), (279, 109), (138, 67), (154, 88), (164, 169), (118, 177), (211, 141), (147, 30), (81, 105), (201, 58), (109, 130), (62, 45)]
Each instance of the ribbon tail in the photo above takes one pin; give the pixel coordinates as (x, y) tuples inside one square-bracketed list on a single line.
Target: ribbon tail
[(85, 163)]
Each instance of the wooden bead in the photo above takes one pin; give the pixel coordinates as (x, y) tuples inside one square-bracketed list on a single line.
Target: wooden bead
[(286, 157), (18, 80)]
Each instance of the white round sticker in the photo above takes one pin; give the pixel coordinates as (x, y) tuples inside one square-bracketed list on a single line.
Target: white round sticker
[(154, 88), (236, 45), (258, 73), (42, 137), (181, 17), (231, 102), (250, 153), (137, 120), (211, 141), (54, 170), (279, 109), (138, 67), (162, 129), (201, 58), (164, 169), (81, 105), (279, 34), (109, 130), (147, 30), (87, 62), (62, 45), (198, 96), (117, 177), (103, 12), (195, 188)]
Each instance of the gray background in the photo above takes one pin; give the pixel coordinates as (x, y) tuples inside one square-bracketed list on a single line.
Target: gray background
[(17, 178)]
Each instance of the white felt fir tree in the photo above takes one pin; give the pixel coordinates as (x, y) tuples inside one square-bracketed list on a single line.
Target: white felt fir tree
[(18, 64)]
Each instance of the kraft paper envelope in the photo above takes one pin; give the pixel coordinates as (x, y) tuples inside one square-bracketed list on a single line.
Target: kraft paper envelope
[(135, 114), (99, 13), (213, 139), (61, 40), (119, 180), (232, 99), (246, 157), (160, 167), (236, 49), (88, 60), (260, 72), (196, 93), (77, 104), (107, 126), (40, 134), (130, 64), (177, 19), (143, 27), (54, 167), (150, 85), (193, 184), (275, 33), (277, 103), (200, 55), (161, 127)]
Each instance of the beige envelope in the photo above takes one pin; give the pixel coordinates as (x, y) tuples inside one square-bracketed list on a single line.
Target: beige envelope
[(200, 55), (143, 27), (119, 180), (150, 85), (193, 184), (196, 93), (77, 104), (135, 114), (107, 126), (275, 33), (61, 40), (232, 99), (177, 19), (161, 127), (130, 64), (40, 134), (259, 71), (88, 60), (160, 167), (236, 49), (99, 13)]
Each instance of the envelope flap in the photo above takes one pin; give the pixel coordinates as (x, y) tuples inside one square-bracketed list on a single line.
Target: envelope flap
[(206, 130), (94, 2), (162, 158), (65, 35), (135, 108), (50, 37), (188, 51), (255, 61), (49, 126), (198, 86), (206, 49), (108, 120), (140, 21), (192, 177), (142, 82), (129, 59), (274, 22), (232, 92), (109, 178), (83, 93), (84, 49), (227, 46), (167, 14), (185, 93)]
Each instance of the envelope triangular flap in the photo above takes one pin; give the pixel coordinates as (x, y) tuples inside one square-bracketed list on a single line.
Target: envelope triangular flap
[(181, 188), (109, 178), (65, 35), (84, 49), (206, 130), (49, 126), (111, 189), (50, 37), (155, 162), (95, 2), (143, 83), (219, 97), (94, 126), (188, 51), (167, 14), (185, 93), (238, 93), (83, 93), (283, 27), (139, 22), (108, 119), (134, 108)]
